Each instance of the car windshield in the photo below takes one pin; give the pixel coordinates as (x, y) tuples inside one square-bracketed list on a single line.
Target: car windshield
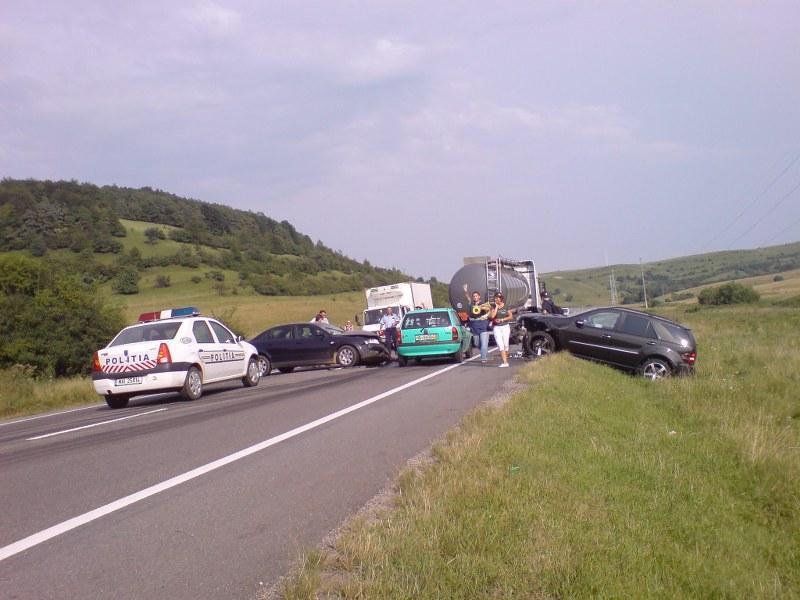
[(673, 333), (421, 320), (148, 332), (333, 329)]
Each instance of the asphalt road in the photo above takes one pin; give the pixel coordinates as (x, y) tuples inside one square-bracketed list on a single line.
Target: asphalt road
[(213, 498)]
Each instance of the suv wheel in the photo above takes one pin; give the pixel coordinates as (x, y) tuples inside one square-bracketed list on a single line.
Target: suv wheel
[(655, 368), (539, 343)]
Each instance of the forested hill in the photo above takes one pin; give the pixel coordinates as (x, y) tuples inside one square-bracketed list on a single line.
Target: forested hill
[(272, 257)]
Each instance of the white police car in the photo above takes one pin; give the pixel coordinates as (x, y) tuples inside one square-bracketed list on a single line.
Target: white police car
[(171, 350)]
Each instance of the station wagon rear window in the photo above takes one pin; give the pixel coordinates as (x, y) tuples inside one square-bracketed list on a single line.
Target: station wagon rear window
[(151, 332), (420, 320)]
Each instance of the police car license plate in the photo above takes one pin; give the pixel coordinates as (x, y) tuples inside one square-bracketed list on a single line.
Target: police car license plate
[(431, 337), (128, 381)]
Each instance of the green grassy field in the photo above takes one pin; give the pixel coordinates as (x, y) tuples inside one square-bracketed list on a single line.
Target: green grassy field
[(592, 483), (590, 287)]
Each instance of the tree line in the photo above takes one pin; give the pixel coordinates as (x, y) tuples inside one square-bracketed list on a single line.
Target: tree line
[(271, 257)]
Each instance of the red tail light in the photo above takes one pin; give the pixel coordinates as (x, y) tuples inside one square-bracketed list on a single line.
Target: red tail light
[(398, 335), (96, 363), (454, 331), (689, 357), (163, 357)]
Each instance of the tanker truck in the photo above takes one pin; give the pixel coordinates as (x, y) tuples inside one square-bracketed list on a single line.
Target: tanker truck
[(516, 279)]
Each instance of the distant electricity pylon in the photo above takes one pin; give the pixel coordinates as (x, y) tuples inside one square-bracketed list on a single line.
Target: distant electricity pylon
[(644, 289), (612, 281)]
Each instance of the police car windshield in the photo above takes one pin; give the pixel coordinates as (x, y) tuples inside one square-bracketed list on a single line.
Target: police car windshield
[(147, 332)]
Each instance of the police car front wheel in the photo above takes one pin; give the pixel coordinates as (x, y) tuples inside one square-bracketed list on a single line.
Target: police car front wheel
[(253, 374)]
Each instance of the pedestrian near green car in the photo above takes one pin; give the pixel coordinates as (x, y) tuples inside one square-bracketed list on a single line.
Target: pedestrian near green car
[(501, 316)]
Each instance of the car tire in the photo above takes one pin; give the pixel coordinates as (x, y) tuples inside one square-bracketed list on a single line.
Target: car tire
[(193, 384), (285, 369), (459, 356), (117, 401), (402, 361), (468, 352), (347, 356), (253, 375), (539, 343), (655, 368), (264, 365)]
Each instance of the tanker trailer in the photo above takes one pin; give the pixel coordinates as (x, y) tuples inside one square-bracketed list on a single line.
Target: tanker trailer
[(516, 279)]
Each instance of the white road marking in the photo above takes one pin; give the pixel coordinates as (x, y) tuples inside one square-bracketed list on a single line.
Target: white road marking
[(47, 435), (55, 414), (75, 522)]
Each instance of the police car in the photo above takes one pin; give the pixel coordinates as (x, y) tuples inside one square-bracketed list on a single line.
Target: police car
[(171, 350)]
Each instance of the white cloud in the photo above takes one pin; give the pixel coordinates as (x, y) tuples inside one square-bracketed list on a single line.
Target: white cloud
[(214, 19)]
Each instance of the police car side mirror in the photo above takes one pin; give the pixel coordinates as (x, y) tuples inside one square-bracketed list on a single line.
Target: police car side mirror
[(579, 323)]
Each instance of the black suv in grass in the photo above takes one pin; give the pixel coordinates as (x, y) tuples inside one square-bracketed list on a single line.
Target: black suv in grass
[(629, 339)]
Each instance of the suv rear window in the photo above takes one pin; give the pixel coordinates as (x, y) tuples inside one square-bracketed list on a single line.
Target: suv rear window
[(420, 320), (672, 333)]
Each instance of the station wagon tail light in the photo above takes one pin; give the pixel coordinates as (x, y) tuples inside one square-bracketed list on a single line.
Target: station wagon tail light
[(454, 331), (398, 335), (96, 363), (163, 357), (689, 357)]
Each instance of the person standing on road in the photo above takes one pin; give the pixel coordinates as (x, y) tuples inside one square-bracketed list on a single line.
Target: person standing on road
[(548, 306), (501, 316), (478, 314), (388, 325)]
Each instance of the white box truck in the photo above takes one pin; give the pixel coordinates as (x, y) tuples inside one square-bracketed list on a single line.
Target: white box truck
[(402, 297)]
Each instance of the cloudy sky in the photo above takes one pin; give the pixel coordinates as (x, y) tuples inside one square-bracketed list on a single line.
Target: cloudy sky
[(414, 133)]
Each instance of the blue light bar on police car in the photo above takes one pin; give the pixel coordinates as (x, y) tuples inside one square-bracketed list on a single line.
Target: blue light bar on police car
[(170, 313)]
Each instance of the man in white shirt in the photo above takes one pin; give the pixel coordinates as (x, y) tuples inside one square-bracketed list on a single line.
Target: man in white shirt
[(388, 325)]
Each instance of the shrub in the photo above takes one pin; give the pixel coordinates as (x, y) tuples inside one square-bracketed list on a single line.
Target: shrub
[(126, 281), (196, 279), (730, 293), (162, 281), (777, 278)]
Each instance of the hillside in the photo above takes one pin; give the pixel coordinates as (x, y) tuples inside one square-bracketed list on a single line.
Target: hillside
[(113, 234), (591, 286)]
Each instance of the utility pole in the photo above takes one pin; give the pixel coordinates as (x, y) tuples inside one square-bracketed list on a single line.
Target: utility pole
[(613, 285), (644, 288)]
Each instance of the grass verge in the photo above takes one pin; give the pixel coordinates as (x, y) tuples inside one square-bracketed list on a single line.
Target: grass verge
[(21, 394), (594, 483)]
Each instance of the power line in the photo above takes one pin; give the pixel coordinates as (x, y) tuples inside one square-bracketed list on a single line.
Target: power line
[(792, 225), (756, 199), (766, 214)]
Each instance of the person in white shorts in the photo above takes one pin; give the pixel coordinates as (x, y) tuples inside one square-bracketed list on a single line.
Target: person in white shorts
[(501, 316)]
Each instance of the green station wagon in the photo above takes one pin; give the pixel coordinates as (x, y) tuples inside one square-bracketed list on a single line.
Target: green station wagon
[(432, 333)]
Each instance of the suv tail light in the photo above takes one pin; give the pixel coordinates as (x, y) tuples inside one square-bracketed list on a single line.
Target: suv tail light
[(96, 363), (163, 357), (454, 331), (689, 357)]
